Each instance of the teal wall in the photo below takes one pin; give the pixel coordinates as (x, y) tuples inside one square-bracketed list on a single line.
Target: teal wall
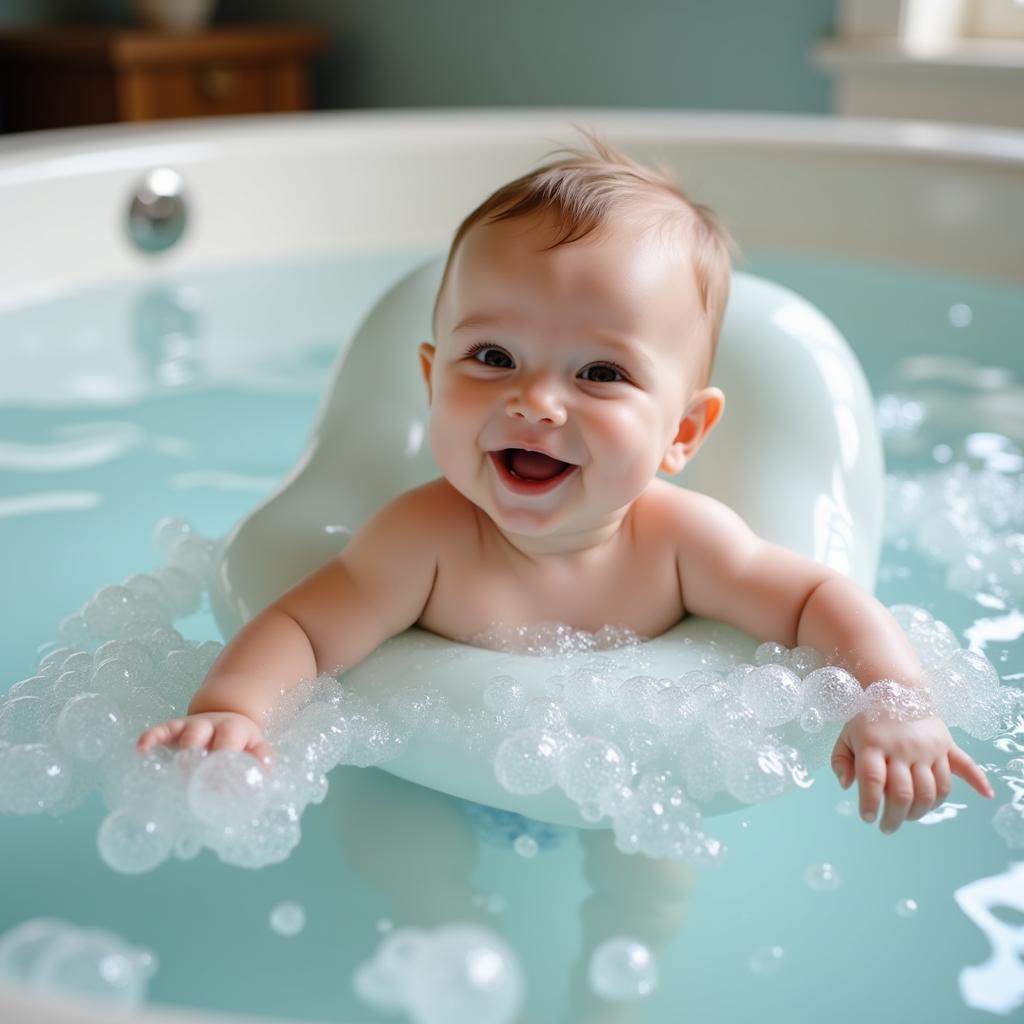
[(711, 54)]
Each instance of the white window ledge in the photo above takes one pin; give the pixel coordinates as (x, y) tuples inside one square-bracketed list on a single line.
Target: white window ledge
[(970, 54), (977, 81)]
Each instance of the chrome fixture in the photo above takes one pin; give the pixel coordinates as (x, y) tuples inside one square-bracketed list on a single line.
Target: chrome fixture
[(157, 218)]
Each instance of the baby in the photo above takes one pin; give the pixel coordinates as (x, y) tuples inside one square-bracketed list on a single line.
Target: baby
[(575, 330)]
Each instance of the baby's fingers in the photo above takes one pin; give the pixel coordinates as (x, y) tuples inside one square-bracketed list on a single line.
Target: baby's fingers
[(197, 733), (231, 734), (925, 791), (871, 774), (899, 794), (964, 766), (166, 732)]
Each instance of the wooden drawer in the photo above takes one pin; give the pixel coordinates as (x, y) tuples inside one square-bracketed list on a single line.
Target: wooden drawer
[(93, 76), (212, 89)]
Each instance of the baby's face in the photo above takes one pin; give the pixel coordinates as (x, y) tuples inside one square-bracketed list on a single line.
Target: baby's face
[(588, 352)]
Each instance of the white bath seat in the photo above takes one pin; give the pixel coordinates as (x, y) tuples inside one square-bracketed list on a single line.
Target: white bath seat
[(797, 454)]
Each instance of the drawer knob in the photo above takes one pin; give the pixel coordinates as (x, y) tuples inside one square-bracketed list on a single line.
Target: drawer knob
[(217, 83)]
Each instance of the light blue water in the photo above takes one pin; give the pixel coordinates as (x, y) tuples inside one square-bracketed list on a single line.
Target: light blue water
[(192, 397)]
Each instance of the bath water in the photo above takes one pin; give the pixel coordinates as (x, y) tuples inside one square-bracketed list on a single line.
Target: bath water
[(193, 395)]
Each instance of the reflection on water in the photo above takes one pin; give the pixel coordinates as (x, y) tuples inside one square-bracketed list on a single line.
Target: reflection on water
[(166, 325), (419, 849), (996, 906)]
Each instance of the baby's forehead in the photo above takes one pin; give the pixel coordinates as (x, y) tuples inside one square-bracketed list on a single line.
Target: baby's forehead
[(623, 265)]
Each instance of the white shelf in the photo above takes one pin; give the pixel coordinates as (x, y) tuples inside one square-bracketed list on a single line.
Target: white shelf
[(985, 55)]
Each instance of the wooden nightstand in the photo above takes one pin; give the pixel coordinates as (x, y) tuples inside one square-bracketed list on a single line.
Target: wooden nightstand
[(75, 76)]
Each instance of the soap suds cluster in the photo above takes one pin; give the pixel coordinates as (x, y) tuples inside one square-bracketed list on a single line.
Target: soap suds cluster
[(970, 520), (56, 956), (640, 753), (455, 974)]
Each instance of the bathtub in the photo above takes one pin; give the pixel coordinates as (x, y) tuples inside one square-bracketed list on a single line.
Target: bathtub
[(927, 196)]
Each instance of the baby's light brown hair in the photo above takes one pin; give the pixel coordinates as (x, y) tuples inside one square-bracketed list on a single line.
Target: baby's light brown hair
[(585, 189)]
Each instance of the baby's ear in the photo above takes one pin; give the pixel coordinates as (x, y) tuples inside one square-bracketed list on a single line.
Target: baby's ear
[(703, 411), (426, 365)]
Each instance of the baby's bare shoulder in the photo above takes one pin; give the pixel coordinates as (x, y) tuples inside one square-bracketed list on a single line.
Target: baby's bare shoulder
[(436, 508), (675, 512)]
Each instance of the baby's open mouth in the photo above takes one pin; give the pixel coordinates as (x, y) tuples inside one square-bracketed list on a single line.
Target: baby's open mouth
[(531, 466)]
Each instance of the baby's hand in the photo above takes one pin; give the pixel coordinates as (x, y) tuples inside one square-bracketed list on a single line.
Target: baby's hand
[(219, 730), (909, 761)]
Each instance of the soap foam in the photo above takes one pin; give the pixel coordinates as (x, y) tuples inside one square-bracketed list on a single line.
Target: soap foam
[(637, 752)]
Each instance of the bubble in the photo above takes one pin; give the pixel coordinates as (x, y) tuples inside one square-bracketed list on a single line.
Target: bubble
[(636, 698), (33, 778), (227, 788), (377, 988), (1008, 822), (526, 846), (133, 842), (59, 957), (23, 720), (464, 974), (834, 693), (192, 555), (34, 686), (906, 907), (109, 611), (773, 693), (67, 685), (811, 720), (78, 660), (166, 534), (89, 726), (622, 969), (73, 631), (288, 919), (846, 808), (546, 715), (53, 660), (114, 678), (803, 660), (151, 598), (771, 653), (960, 315), (525, 762), (21, 945), (95, 963), (504, 695), (591, 767), (822, 877), (130, 655), (766, 960)]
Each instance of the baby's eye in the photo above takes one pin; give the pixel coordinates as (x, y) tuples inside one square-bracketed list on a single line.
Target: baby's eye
[(604, 369), (489, 359)]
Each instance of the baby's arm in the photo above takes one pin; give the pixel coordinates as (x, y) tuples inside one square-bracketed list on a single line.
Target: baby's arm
[(727, 572), (377, 587)]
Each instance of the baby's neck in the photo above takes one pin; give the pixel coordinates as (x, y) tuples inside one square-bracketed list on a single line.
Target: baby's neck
[(565, 548)]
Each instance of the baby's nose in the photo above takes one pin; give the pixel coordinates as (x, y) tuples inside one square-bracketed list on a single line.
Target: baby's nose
[(538, 401)]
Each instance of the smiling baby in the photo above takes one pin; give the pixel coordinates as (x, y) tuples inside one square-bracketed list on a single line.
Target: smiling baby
[(574, 336)]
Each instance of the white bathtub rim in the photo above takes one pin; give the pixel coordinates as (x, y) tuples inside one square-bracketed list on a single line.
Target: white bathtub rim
[(31, 156)]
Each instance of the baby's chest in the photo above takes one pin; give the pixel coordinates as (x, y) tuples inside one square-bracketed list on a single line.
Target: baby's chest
[(637, 588)]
